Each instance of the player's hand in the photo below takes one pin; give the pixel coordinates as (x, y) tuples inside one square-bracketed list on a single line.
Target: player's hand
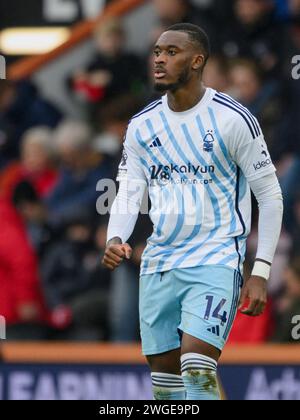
[(115, 254), (254, 291)]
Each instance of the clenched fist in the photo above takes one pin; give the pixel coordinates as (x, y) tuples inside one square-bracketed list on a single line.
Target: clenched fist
[(115, 254)]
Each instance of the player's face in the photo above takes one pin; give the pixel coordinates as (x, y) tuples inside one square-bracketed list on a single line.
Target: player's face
[(174, 57)]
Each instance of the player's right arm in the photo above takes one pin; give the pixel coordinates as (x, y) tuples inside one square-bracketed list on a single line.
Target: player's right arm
[(126, 207)]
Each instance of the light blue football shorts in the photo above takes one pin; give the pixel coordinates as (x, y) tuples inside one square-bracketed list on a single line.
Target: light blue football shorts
[(200, 301)]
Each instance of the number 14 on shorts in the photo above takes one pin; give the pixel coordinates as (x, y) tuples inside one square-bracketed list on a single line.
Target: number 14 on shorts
[(216, 312)]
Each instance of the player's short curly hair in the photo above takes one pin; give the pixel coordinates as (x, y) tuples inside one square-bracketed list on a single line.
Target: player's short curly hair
[(197, 35)]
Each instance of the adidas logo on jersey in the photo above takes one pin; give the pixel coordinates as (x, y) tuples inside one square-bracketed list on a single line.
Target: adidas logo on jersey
[(156, 143)]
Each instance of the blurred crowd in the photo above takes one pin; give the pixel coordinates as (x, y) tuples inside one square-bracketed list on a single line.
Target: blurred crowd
[(53, 286)]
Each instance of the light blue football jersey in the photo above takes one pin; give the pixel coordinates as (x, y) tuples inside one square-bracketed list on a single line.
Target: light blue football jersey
[(196, 165)]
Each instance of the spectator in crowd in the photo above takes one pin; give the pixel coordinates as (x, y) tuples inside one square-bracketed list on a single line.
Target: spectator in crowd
[(294, 10), (288, 10), (290, 188), (255, 34), (261, 97), (296, 217), (289, 305), (20, 296), (21, 108), (170, 12), (75, 285), (287, 149), (35, 217), (36, 164), (216, 74), (82, 169), (113, 125), (288, 139), (112, 72)]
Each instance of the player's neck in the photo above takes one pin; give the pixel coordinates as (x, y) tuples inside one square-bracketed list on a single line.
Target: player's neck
[(186, 98)]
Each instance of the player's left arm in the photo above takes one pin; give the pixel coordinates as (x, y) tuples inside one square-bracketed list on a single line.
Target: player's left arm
[(253, 157), (268, 194)]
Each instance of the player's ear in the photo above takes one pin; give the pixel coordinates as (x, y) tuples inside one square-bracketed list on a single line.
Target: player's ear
[(198, 62)]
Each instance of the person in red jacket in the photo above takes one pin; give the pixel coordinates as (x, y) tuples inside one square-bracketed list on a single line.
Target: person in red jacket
[(20, 299), (253, 331), (36, 164)]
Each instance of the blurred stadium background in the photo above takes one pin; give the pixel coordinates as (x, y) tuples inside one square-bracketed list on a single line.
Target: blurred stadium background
[(77, 70)]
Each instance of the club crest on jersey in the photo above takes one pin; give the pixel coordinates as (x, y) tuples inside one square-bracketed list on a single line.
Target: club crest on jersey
[(208, 142)]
